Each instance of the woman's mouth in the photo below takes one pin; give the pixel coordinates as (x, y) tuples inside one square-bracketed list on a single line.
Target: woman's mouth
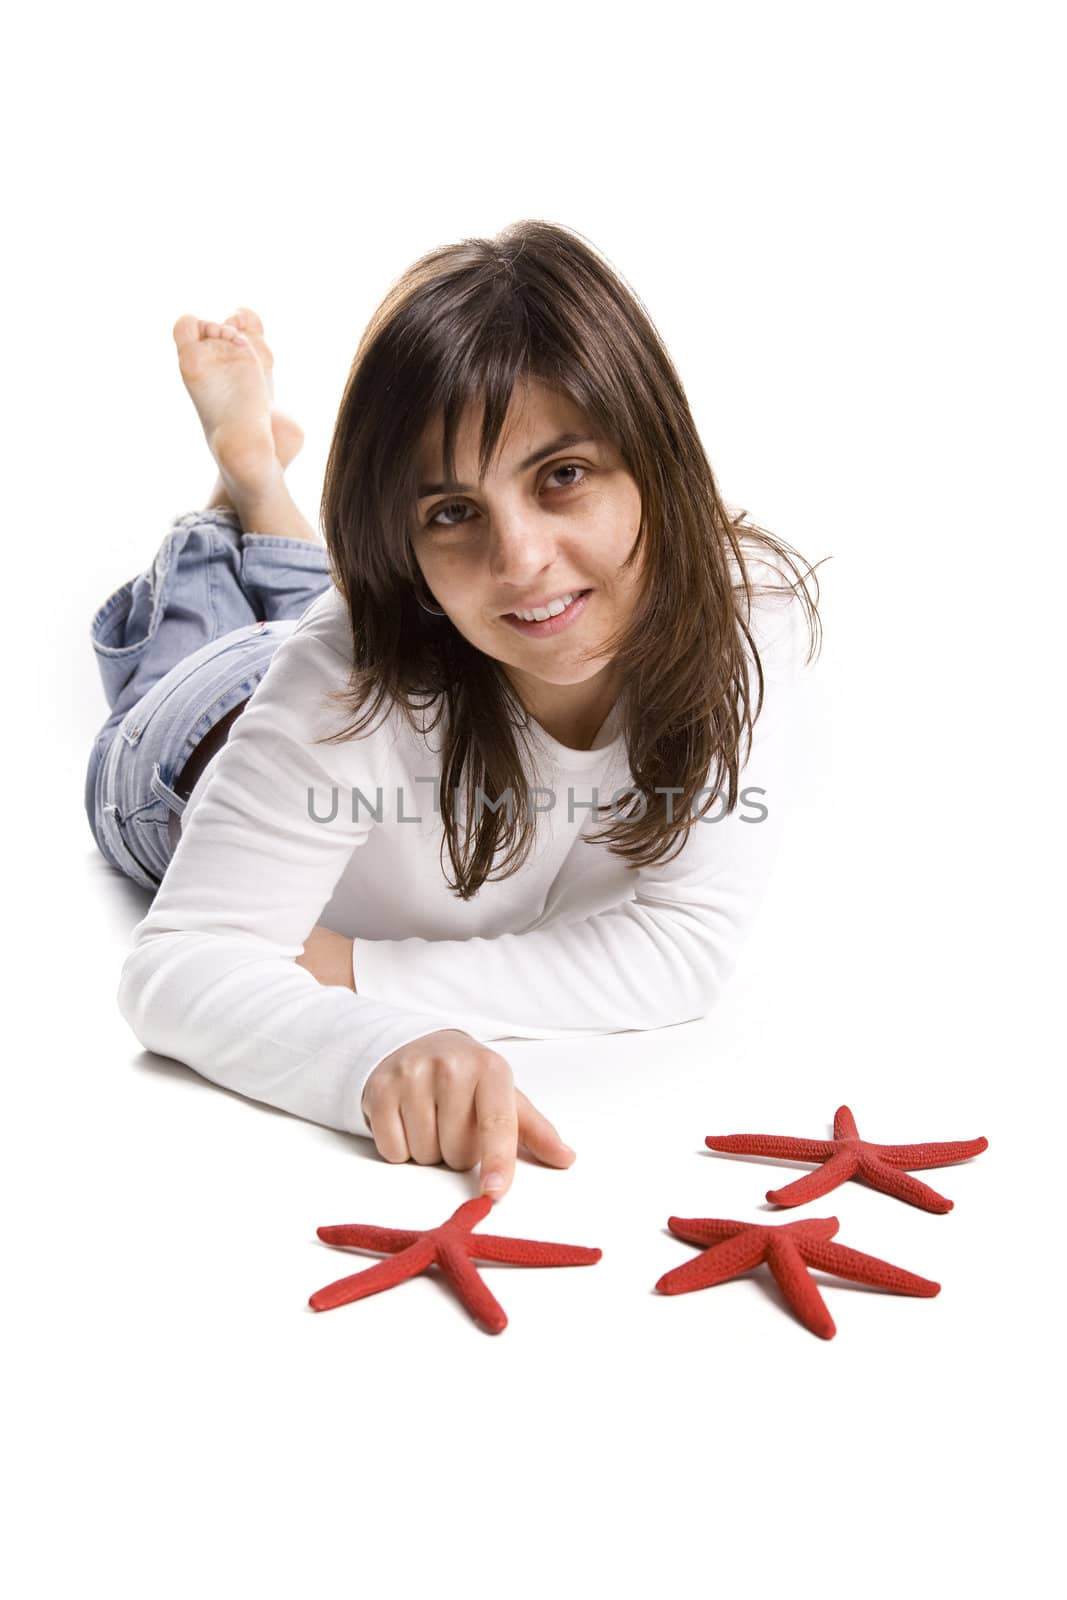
[(551, 625)]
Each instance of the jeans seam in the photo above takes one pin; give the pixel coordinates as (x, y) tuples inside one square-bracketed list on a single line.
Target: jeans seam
[(212, 586)]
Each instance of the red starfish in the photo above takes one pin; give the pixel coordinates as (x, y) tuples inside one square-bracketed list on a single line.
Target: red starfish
[(451, 1246), (846, 1155), (788, 1249)]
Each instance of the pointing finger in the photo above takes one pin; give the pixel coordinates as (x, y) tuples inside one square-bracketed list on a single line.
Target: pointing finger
[(498, 1128)]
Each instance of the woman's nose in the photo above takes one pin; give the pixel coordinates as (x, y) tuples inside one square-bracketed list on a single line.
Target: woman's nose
[(522, 545)]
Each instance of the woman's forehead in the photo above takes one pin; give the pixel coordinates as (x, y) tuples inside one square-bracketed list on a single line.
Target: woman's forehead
[(536, 414)]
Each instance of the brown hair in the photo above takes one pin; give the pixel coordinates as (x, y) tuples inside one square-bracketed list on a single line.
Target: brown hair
[(461, 327)]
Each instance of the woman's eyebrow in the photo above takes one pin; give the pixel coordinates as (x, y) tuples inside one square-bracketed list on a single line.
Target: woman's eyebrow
[(564, 441)]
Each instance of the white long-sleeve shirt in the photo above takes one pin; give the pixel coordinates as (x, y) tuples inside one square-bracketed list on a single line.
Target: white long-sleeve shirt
[(575, 943)]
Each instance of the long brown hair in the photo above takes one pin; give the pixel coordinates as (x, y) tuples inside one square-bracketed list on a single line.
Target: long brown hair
[(461, 327)]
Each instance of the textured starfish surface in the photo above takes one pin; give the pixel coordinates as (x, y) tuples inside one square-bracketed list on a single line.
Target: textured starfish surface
[(788, 1248), (451, 1245), (846, 1155)]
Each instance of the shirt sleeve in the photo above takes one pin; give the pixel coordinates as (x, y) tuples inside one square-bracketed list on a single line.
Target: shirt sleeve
[(212, 978), (662, 957)]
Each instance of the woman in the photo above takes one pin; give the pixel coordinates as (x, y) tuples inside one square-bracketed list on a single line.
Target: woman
[(524, 547)]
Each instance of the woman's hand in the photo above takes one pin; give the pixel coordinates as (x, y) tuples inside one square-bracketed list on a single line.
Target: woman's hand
[(445, 1097)]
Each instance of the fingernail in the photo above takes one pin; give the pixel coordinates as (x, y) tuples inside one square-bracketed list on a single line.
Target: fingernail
[(493, 1183)]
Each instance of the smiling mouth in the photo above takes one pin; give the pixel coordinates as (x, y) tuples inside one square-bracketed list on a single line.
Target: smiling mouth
[(576, 594), (553, 624)]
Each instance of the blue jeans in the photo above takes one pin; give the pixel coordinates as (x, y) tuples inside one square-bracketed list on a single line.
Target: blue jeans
[(178, 647)]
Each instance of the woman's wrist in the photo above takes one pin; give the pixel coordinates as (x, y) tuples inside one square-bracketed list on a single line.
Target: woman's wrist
[(328, 957)]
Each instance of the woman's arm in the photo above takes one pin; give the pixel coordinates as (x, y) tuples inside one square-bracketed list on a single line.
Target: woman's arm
[(215, 975)]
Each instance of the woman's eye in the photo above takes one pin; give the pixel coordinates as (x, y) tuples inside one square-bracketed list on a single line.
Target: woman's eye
[(569, 466), (458, 505), (435, 521)]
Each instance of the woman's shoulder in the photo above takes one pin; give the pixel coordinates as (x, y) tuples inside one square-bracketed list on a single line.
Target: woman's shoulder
[(326, 623), (303, 694), (316, 653), (775, 608), (765, 566)]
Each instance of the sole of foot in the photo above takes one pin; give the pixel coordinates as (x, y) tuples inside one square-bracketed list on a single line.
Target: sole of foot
[(288, 434), (221, 371)]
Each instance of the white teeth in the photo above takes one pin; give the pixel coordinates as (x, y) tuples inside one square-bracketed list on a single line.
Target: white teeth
[(544, 612)]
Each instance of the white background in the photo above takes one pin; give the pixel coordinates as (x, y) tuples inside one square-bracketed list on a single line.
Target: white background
[(843, 219)]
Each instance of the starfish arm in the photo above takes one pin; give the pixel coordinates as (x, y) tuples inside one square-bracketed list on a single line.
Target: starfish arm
[(770, 1144), (366, 1236), (890, 1180), (471, 1211), (931, 1155), (383, 1275), (531, 1252), (800, 1290), (836, 1171), (845, 1124), (846, 1263), (713, 1266), (809, 1228), (471, 1288), (705, 1230)]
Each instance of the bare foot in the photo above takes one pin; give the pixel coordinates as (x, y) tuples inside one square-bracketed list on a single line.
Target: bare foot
[(288, 434), (227, 384)]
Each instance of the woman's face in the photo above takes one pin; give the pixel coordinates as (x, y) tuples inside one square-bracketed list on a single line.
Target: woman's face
[(550, 519)]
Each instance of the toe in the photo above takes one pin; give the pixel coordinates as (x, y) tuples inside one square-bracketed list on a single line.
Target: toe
[(246, 320), (186, 331), (247, 323)]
